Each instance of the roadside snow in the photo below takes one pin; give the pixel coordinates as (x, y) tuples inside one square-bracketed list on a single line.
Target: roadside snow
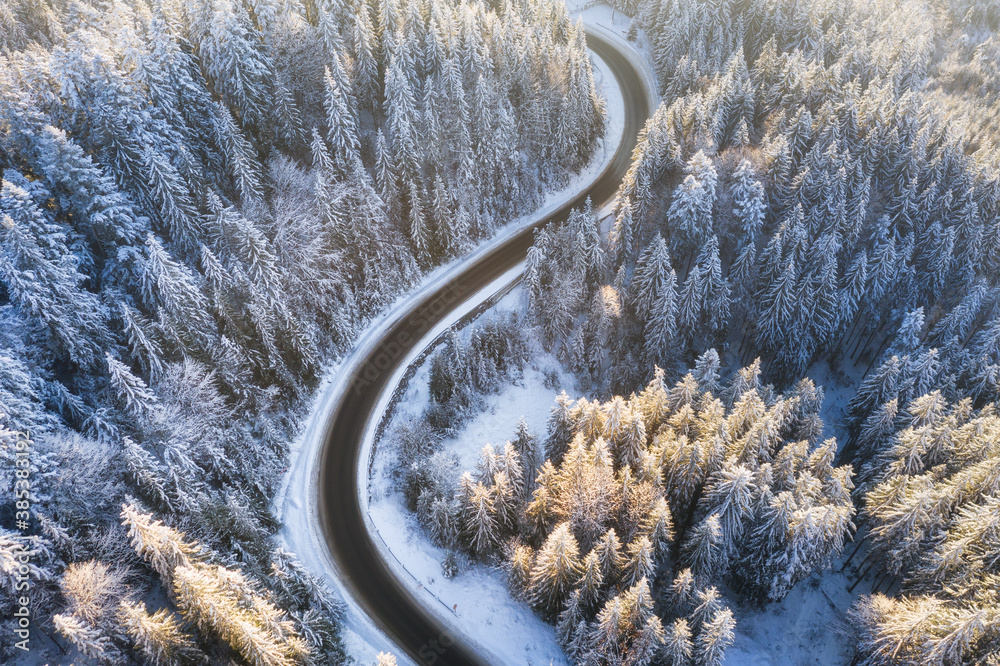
[(295, 502), (476, 602), (613, 24)]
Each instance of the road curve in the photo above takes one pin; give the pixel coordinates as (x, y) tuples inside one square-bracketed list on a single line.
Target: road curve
[(365, 574)]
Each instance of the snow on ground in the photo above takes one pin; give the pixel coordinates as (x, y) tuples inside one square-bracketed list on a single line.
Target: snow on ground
[(476, 601), (295, 502), (597, 15), (806, 627)]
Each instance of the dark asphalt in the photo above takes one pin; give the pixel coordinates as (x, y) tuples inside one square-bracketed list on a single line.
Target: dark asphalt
[(367, 576)]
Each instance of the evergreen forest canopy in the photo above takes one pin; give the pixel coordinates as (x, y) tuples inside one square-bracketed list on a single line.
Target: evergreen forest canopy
[(202, 203)]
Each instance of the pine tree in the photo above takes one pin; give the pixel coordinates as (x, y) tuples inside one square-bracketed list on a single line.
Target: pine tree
[(728, 497), (480, 519), (678, 644), (704, 547), (221, 601), (641, 560), (691, 304), (526, 445), (556, 569), (130, 390), (662, 324), (716, 635), (158, 635), (171, 286), (591, 581), (716, 287), (750, 204), (608, 550), (145, 348), (632, 441), (87, 639), (365, 65), (385, 659), (99, 210), (43, 282), (876, 389), (241, 161), (177, 210), (522, 558), (341, 129), (606, 635), (658, 525), (778, 303), (560, 428), (691, 208), (162, 547)]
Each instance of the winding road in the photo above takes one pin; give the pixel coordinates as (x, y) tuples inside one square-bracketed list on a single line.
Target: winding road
[(365, 574)]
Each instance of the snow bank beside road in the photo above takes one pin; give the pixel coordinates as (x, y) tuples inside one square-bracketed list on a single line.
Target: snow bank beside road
[(476, 603)]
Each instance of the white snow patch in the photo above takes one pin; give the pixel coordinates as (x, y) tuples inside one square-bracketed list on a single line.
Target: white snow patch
[(808, 626), (613, 24), (476, 602)]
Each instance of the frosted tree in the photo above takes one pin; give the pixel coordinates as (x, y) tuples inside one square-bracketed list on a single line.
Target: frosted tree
[(169, 285), (526, 445), (560, 428), (176, 208), (662, 323), (640, 561), (704, 547), (221, 601), (385, 659), (241, 160), (341, 129), (728, 497), (129, 389), (658, 525), (100, 210), (479, 517), (706, 371), (85, 638), (157, 635), (717, 634), (678, 644), (749, 202), (716, 287), (556, 570), (690, 213), (43, 282), (164, 548), (591, 581)]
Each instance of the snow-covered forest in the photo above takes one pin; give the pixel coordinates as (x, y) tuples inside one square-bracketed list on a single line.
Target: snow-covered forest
[(818, 194), (202, 203)]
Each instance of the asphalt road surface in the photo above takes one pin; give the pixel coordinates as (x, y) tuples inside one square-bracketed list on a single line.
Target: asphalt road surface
[(388, 601)]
